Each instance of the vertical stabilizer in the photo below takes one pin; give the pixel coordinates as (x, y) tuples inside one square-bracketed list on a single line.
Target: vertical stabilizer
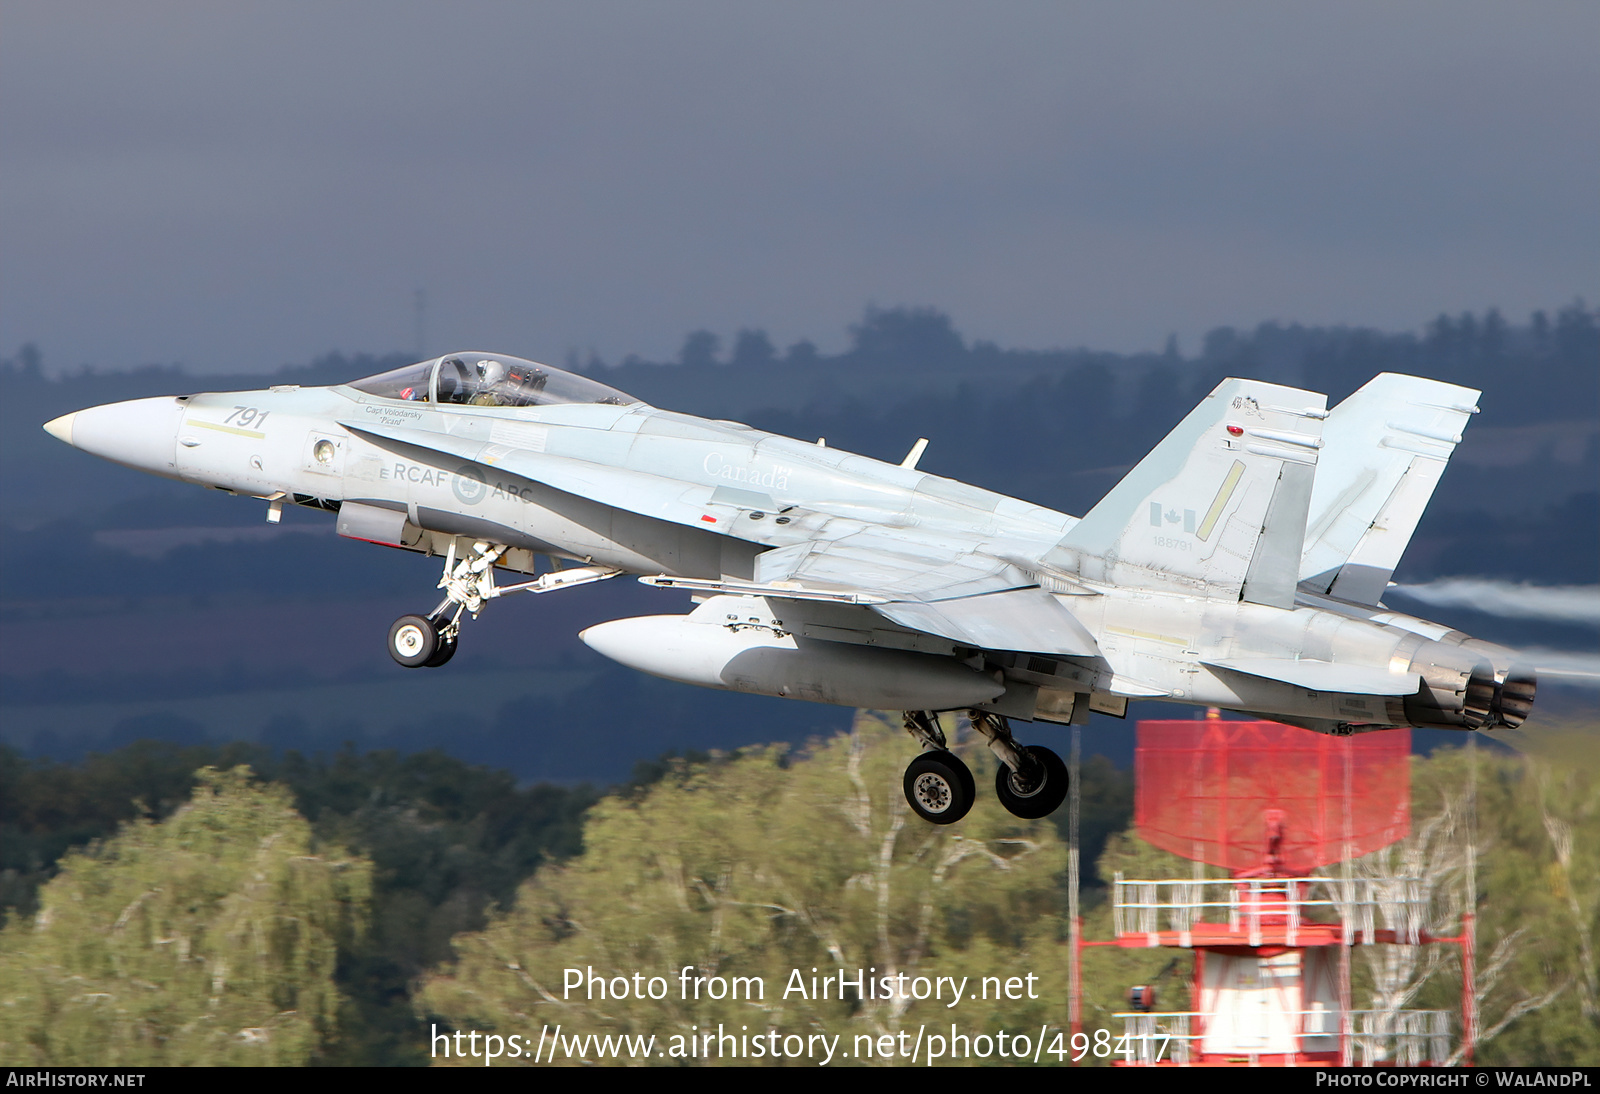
[(1384, 449), (1218, 508)]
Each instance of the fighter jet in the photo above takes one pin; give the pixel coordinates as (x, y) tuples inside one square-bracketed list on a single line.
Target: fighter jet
[(1225, 570)]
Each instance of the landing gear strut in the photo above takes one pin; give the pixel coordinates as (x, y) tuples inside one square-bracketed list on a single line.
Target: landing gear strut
[(428, 641), (1031, 782)]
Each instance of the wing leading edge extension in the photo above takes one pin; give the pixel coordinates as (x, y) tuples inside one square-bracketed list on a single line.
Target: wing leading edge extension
[(634, 491)]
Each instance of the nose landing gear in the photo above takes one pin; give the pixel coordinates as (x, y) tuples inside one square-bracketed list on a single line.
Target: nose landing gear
[(428, 641), (422, 641)]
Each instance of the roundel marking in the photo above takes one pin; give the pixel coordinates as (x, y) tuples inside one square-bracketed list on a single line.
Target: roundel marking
[(468, 485)]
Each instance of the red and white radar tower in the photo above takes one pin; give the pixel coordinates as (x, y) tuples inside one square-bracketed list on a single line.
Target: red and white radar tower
[(1272, 942)]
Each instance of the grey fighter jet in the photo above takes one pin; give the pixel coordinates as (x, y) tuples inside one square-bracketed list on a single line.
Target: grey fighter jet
[(1227, 569)]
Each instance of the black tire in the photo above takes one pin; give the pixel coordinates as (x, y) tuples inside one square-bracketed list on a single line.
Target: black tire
[(1045, 798), (939, 787), (413, 640), (446, 650), (966, 778)]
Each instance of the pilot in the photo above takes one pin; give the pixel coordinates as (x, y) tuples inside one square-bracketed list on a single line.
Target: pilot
[(491, 374)]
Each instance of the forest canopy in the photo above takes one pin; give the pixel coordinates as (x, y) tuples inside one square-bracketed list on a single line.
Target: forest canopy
[(227, 927)]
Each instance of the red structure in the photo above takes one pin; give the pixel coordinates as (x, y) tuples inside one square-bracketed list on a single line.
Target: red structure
[(1273, 805), (1260, 797)]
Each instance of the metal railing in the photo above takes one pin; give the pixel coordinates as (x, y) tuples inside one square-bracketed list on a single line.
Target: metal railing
[(1247, 905), (1403, 1038)]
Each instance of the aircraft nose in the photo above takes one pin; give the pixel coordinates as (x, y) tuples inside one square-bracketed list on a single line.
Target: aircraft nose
[(140, 433), (61, 428)]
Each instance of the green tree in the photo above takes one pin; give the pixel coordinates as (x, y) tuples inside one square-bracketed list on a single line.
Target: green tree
[(1521, 835), (446, 840), (209, 938), (769, 865), (700, 349), (753, 349)]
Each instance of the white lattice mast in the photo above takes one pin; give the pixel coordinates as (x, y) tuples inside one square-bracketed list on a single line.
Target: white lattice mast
[(1074, 923), (1469, 928), (1346, 1030)]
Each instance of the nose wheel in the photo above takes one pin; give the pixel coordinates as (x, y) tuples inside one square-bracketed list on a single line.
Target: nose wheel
[(420, 641), (428, 641), (412, 640)]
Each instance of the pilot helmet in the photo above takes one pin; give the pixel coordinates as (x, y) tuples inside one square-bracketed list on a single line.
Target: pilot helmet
[(490, 373)]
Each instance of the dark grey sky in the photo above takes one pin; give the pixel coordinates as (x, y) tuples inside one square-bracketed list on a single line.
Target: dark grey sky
[(246, 184)]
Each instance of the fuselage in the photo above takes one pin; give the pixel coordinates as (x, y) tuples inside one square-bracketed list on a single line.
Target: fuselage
[(620, 484)]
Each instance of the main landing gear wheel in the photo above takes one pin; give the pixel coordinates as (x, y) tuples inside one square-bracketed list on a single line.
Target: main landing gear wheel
[(939, 787), (414, 641), (1041, 799)]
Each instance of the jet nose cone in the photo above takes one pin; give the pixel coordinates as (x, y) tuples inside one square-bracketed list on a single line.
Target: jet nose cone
[(140, 433), (61, 428)]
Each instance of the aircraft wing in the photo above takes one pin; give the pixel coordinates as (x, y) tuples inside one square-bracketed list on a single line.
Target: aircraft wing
[(936, 586), (1023, 620)]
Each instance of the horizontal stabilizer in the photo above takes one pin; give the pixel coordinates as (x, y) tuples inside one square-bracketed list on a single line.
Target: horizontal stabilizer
[(1325, 675)]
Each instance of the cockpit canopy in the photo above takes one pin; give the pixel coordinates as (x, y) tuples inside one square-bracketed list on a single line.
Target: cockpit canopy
[(488, 379)]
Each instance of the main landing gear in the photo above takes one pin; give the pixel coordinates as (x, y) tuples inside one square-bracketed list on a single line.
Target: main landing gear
[(428, 641), (1031, 781), (939, 787)]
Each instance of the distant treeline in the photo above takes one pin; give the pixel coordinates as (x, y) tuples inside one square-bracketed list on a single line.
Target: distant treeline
[(1056, 427), (1487, 352), (1542, 369)]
